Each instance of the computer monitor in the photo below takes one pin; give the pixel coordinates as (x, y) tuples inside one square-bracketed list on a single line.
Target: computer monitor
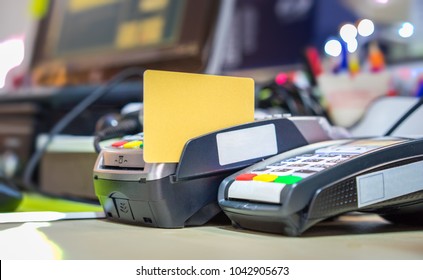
[(88, 41)]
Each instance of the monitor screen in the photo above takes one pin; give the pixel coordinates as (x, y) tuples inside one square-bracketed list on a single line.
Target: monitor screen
[(85, 41)]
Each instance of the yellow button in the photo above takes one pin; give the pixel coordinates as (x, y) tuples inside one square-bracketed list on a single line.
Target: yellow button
[(132, 145), (265, 177)]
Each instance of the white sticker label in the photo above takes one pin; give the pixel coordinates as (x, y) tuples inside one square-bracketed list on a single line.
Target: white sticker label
[(256, 191), (389, 183), (248, 143)]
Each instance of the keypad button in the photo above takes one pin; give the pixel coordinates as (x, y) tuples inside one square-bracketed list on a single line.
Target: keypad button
[(328, 155), (265, 177), (320, 166), (133, 145), (119, 143), (282, 171), (245, 177), (306, 155), (276, 164), (261, 170), (334, 161), (289, 180), (296, 159), (313, 160), (304, 173), (347, 156), (133, 138), (298, 165)]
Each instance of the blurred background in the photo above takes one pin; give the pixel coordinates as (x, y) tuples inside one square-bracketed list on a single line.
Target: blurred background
[(333, 58), (263, 34)]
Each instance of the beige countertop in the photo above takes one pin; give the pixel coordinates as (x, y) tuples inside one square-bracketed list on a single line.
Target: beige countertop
[(351, 237)]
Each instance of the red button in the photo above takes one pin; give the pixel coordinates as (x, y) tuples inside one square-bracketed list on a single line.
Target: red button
[(119, 143), (245, 177)]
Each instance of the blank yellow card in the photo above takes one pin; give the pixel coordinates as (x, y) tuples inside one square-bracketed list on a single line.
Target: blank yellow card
[(181, 106)]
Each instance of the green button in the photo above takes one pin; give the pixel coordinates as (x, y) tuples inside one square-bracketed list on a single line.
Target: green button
[(289, 180)]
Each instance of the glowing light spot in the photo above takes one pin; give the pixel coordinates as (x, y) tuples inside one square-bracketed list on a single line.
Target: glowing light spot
[(281, 78), (365, 27), (348, 32), (12, 53), (44, 216), (352, 45), (406, 30), (333, 48), (28, 242)]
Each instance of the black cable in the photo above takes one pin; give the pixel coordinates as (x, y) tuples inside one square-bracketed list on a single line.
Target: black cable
[(404, 117), (316, 106), (71, 115), (288, 100)]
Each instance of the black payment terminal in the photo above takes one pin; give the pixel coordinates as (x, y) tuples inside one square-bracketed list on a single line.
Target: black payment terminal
[(290, 192)]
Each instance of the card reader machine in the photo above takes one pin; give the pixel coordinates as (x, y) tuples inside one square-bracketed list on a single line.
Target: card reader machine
[(173, 195), (291, 192)]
